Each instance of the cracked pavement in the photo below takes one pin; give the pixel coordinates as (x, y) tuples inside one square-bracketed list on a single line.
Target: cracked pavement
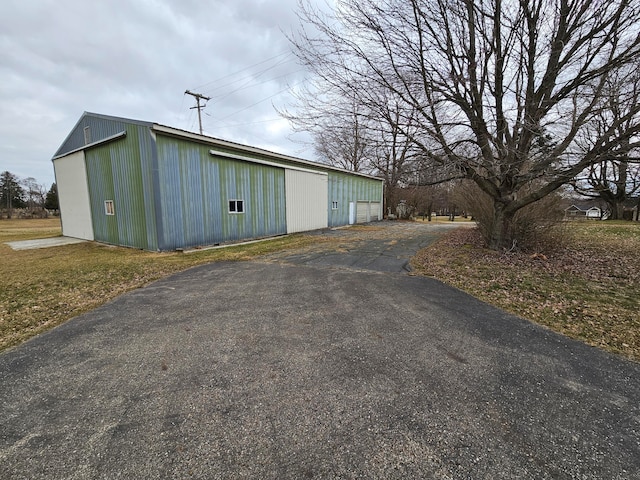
[(295, 366)]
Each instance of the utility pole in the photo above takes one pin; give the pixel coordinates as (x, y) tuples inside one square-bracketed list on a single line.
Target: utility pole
[(198, 97)]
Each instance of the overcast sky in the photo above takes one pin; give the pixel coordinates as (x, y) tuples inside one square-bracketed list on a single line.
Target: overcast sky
[(135, 59)]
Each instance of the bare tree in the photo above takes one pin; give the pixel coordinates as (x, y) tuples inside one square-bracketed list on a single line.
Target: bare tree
[(347, 133), (35, 194), (614, 181), (616, 176), (338, 126), (394, 154), (503, 88), (341, 141)]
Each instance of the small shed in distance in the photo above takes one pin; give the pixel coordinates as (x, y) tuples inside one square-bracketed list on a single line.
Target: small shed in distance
[(149, 186)]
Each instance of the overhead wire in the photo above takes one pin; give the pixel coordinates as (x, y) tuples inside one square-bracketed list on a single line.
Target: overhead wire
[(246, 86), (247, 81), (258, 102), (200, 87)]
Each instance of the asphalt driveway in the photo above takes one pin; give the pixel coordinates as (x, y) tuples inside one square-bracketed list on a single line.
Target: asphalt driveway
[(381, 247), (285, 368)]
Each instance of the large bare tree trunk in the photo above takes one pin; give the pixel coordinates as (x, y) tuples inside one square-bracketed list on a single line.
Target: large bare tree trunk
[(499, 235)]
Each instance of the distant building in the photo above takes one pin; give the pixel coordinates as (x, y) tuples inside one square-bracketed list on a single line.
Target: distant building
[(149, 186), (583, 211)]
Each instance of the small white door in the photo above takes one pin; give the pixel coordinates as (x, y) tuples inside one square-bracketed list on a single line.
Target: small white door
[(352, 213)]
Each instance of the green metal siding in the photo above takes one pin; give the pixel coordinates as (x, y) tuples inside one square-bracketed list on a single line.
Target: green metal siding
[(100, 127), (195, 189), (345, 188), (120, 171), (169, 192)]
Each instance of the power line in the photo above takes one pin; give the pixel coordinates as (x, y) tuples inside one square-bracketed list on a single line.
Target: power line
[(248, 78), (201, 87), (255, 122), (259, 101), (222, 96)]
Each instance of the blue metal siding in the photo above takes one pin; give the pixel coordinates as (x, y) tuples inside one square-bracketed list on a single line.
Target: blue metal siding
[(100, 126), (195, 188), (170, 192), (116, 171), (345, 188)]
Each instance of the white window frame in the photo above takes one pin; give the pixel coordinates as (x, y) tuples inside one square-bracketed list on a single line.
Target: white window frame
[(236, 205), (334, 205), (109, 207)]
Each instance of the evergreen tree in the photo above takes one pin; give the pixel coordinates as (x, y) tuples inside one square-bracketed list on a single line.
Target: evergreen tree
[(51, 202), (11, 193)]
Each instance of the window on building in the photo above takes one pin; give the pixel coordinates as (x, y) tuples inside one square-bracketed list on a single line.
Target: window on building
[(236, 206), (334, 205), (108, 207)]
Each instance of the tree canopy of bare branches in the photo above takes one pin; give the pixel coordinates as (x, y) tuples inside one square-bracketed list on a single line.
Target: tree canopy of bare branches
[(500, 92), (615, 177)]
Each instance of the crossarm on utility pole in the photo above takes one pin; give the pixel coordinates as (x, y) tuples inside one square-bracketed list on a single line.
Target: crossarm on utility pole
[(198, 97)]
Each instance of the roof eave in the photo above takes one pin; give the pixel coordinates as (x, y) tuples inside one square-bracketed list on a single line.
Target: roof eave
[(175, 132)]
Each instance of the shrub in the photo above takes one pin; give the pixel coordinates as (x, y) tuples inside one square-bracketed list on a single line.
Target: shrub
[(536, 227)]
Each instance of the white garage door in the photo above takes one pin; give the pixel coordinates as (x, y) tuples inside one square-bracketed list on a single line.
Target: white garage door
[(367, 212), (374, 211), (306, 200), (73, 195)]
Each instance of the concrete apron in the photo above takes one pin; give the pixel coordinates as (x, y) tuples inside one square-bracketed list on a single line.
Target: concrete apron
[(43, 243)]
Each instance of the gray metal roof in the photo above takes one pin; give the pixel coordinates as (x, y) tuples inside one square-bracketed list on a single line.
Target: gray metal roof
[(102, 127)]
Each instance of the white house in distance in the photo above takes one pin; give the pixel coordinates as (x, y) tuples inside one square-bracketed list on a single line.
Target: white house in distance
[(583, 211)]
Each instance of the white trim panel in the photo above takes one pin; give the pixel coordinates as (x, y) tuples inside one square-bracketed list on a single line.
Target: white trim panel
[(307, 198), (263, 162), (73, 196), (93, 144)]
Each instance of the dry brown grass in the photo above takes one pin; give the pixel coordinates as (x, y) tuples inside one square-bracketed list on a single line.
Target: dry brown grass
[(11, 230), (587, 289), (42, 288)]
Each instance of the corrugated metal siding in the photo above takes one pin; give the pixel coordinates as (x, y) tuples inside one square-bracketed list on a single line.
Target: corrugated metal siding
[(120, 171), (306, 201), (195, 189), (100, 126), (345, 188), (173, 193)]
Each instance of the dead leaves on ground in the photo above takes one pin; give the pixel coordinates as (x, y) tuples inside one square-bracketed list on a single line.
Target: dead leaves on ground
[(586, 290)]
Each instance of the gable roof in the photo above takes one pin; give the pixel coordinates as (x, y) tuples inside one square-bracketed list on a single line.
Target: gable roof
[(107, 127), (100, 129), (582, 207)]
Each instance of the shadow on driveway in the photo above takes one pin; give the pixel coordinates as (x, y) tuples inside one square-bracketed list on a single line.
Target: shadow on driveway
[(274, 370)]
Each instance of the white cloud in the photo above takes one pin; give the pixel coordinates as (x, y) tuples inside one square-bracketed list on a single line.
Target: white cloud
[(135, 58)]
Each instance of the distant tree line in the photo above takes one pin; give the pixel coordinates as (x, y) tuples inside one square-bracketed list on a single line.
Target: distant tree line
[(25, 197)]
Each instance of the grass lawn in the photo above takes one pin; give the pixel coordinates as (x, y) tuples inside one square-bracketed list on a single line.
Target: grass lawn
[(42, 288), (587, 289)]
